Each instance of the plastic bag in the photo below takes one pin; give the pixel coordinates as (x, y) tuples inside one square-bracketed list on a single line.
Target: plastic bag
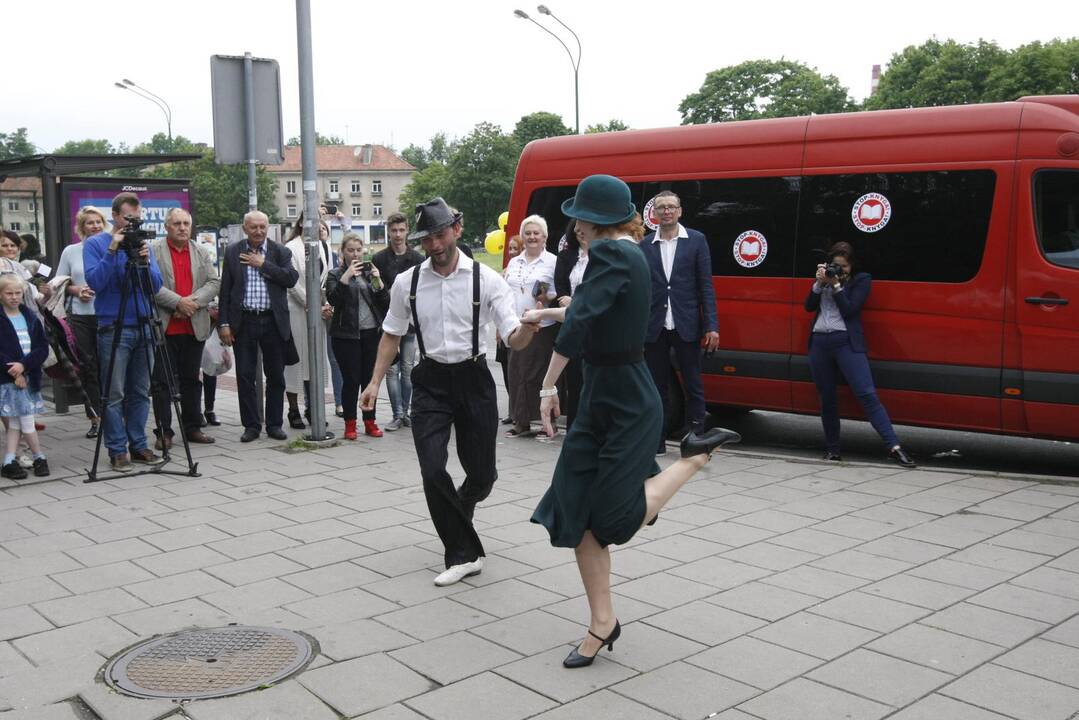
[(216, 358)]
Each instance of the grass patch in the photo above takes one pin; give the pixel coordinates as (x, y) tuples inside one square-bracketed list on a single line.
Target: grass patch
[(492, 261)]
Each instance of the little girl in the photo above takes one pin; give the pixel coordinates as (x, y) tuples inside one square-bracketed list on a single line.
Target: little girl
[(23, 349)]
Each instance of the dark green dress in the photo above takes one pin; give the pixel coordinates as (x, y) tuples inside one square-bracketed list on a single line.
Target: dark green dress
[(598, 483)]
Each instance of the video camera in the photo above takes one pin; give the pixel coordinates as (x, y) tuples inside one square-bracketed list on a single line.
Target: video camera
[(134, 239)]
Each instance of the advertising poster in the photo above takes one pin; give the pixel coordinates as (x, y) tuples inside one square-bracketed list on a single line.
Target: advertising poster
[(156, 196)]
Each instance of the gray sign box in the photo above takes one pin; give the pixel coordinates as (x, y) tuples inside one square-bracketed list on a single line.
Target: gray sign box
[(227, 81)]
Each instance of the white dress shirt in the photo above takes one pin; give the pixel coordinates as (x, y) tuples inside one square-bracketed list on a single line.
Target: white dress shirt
[(522, 274), (444, 306), (667, 249)]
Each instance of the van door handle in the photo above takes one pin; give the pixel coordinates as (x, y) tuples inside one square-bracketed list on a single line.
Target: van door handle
[(1047, 301)]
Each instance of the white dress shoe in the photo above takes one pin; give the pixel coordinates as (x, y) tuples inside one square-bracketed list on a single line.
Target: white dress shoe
[(457, 573)]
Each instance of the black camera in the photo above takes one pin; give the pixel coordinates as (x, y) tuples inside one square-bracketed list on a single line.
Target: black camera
[(832, 270), (134, 238)]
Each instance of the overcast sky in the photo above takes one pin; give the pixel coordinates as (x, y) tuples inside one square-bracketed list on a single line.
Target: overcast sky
[(398, 71)]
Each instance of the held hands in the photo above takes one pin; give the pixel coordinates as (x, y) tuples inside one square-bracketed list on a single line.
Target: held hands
[(186, 307), (532, 317), (255, 260)]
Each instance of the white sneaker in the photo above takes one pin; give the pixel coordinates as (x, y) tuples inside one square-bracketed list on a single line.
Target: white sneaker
[(457, 573)]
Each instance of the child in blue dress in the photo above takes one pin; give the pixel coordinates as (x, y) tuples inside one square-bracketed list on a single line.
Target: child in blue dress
[(23, 350)]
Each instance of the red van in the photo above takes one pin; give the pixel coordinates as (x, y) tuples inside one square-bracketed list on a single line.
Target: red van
[(967, 218)]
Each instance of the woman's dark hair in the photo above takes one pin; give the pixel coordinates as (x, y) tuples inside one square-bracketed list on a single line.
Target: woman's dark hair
[(571, 235), (32, 249), (841, 248)]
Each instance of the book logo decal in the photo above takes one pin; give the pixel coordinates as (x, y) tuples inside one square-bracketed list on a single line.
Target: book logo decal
[(750, 249), (871, 212)]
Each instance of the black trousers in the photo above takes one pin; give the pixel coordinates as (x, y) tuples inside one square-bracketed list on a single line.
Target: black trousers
[(356, 358), (85, 329), (460, 397), (688, 356), (260, 333), (185, 356), (209, 392)]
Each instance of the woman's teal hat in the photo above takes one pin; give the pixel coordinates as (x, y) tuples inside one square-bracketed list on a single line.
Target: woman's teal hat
[(602, 200)]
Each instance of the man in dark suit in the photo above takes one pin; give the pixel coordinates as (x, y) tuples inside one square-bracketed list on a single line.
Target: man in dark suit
[(254, 316), (683, 308)]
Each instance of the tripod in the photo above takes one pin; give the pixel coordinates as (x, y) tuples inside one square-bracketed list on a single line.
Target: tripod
[(137, 280)]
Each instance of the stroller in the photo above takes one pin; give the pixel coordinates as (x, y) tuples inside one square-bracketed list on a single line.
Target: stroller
[(63, 361)]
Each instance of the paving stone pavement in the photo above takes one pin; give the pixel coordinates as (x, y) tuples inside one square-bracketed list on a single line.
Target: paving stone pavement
[(770, 589)]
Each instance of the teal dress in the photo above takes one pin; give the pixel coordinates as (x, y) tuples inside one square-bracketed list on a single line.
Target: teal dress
[(609, 452)]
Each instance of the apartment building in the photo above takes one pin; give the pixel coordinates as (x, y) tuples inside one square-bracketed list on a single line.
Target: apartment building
[(363, 181)]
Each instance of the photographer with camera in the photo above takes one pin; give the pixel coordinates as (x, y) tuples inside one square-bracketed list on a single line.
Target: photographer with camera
[(105, 260), (837, 343)]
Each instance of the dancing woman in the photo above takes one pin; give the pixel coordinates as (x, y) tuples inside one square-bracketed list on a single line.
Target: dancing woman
[(606, 484)]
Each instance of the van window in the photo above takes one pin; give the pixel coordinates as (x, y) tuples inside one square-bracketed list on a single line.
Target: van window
[(721, 209), (1056, 214), (936, 224), (761, 211)]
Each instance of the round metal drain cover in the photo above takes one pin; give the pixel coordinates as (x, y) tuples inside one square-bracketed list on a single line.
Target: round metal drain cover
[(208, 663)]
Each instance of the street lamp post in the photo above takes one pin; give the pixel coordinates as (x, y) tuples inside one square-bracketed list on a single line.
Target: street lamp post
[(155, 99), (576, 63)]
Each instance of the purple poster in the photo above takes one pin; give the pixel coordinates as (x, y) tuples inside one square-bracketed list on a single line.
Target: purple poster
[(157, 197)]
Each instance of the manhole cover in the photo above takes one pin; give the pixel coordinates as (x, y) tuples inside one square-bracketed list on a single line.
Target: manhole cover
[(208, 663)]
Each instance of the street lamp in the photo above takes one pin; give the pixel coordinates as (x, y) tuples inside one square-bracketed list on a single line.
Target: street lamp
[(576, 63), (155, 99)]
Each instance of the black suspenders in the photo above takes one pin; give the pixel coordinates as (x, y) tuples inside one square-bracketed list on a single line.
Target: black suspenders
[(475, 310)]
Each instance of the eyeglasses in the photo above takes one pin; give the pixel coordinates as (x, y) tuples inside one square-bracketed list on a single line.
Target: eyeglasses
[(664, 208)]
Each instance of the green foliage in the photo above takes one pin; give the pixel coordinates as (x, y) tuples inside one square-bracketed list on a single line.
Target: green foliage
[(89, 146), (320, 139), (432, 181), (937, 73), (15, 144), (764, 89), (613, 125), (481, 173), (415, 156), (220, 191), (1036, 69), (539, 125)]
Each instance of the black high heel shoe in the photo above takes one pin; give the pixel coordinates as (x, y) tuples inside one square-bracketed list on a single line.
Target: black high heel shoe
[(694, 444), (577, 660)]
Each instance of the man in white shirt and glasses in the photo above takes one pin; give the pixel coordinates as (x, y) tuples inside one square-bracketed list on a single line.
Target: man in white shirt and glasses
[(449, 299)]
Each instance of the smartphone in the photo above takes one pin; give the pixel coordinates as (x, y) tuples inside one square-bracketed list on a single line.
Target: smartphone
[(540, 288)]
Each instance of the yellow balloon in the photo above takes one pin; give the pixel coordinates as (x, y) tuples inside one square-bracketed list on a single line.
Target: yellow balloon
[(495, 242), (503, 219)]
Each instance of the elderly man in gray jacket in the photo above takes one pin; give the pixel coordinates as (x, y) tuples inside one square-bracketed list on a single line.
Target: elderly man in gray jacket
[(189, 284)]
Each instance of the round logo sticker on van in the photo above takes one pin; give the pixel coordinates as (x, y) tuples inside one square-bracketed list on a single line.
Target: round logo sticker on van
[(871, 212), (649, 217), (750, 249)]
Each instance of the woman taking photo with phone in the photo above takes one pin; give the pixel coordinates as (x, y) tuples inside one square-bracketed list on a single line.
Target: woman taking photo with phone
[(530, 276), (359, 300), (837, 346)]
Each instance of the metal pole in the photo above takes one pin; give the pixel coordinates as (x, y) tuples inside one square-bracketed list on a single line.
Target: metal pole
[(316, 344), (249, 126)]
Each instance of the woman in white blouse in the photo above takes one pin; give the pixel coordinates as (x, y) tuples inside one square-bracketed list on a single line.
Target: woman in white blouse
[(530, 276)]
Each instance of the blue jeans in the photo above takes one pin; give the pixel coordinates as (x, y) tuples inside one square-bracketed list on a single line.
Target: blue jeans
[(127, 404), (399, 377), (829, 352)]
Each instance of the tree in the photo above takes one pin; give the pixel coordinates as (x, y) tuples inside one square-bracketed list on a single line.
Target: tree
[(539, 125), (432, 181), (15, 144), (937, 73), (610, 126), (481, 176), (415, 156), (1035, 69), (88, 146), (764, 89), (319, 140)]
